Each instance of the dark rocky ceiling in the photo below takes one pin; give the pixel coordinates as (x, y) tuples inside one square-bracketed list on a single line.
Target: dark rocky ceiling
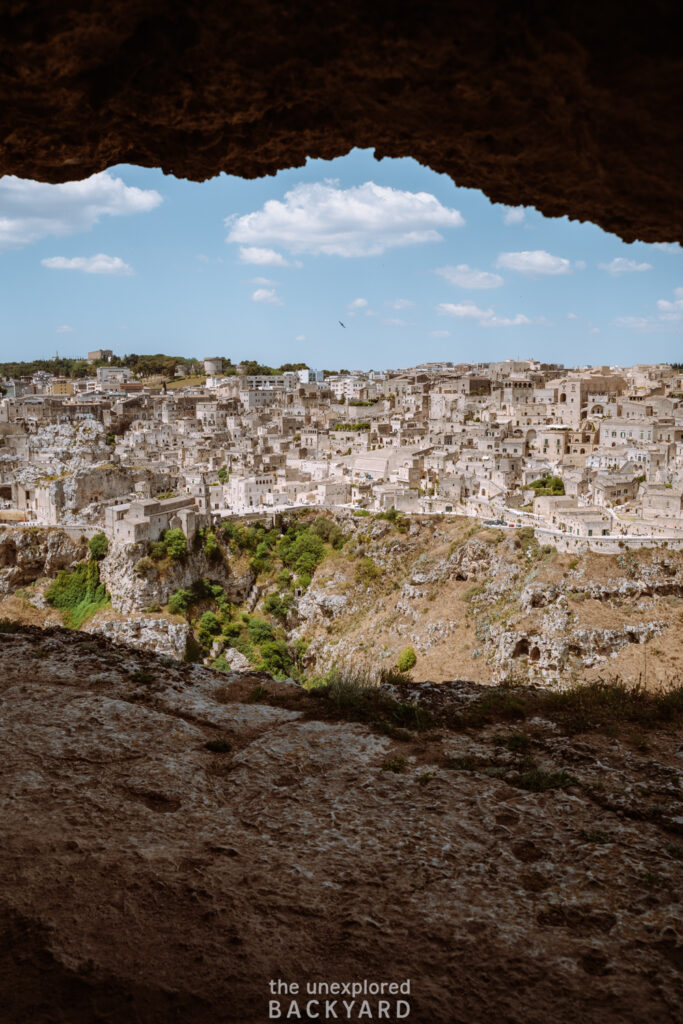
[(572, 107)]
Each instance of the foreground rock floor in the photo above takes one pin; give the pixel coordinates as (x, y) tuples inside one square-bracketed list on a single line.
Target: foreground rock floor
[(145, 878)]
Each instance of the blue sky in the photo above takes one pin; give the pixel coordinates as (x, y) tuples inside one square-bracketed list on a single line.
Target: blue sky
[(416, 268)]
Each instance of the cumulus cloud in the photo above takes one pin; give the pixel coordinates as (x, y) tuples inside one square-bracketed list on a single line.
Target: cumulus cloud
[(266, 295), (364, 220), (262, 257), (572, 316), (30, 210), (99, 264), (400, 304), (671, 310), (358, 304), (64, 329), (515, 215), (265, 281), (670, 247), (620, 265), (536, 262), (467, 277), (485, 317)]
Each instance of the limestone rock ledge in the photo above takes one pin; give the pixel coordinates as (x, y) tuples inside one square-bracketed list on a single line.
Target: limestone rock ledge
[(145, 877)]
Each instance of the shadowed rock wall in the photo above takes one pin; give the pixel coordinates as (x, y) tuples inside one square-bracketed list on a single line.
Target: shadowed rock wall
[(572, 108)]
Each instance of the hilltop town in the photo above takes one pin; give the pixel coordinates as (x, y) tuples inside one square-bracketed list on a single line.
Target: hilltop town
[(586, 457)]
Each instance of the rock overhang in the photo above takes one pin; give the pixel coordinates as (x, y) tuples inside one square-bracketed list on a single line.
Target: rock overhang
[(573, 109)]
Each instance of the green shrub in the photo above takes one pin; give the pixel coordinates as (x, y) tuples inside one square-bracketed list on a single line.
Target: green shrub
[(328, 531), (284, 579), (303, 552), (143, 566), (157, 550), (98, 546), (209, 627), (277, 606), (78, 593), (210, 546), (179, 602), (548, 485), (232, 629), (259, 631), (406, 659), (276, 658), (176, 545)]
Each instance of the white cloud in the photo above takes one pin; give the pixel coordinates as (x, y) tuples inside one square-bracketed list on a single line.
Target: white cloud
[(505, 321), (671, 310), (468, 277), (580, 264), (65, 329), (99, 264), (358, 304), (572, 316), (30, 210), (486, 317), (364, 220), (441, 334), (638, 323), (300, 337), (400, 304), (670, 247), (265, 281), (266, 295), (262, 257), (464, 309), (515, 215), (537, 262), (620, 265), (395, 322)]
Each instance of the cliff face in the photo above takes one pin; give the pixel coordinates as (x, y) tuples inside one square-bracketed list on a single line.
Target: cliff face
[(572, 109), (146, 876), (134, 588), (27, 553)]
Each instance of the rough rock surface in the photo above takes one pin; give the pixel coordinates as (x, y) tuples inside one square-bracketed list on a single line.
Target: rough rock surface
[(145, 878), (574, 109), (148, 633), (27, 553), (133, 590)]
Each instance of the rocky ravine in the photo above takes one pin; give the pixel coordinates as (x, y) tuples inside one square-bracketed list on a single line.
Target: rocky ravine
[(474, 603), (146, 878), (494, 605)]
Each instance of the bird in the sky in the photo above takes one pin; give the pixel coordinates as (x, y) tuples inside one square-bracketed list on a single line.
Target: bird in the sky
[(341, 324)]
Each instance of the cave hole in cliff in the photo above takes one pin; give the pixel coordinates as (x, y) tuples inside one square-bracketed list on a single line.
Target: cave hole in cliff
[(534, 654), (521, 648)]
